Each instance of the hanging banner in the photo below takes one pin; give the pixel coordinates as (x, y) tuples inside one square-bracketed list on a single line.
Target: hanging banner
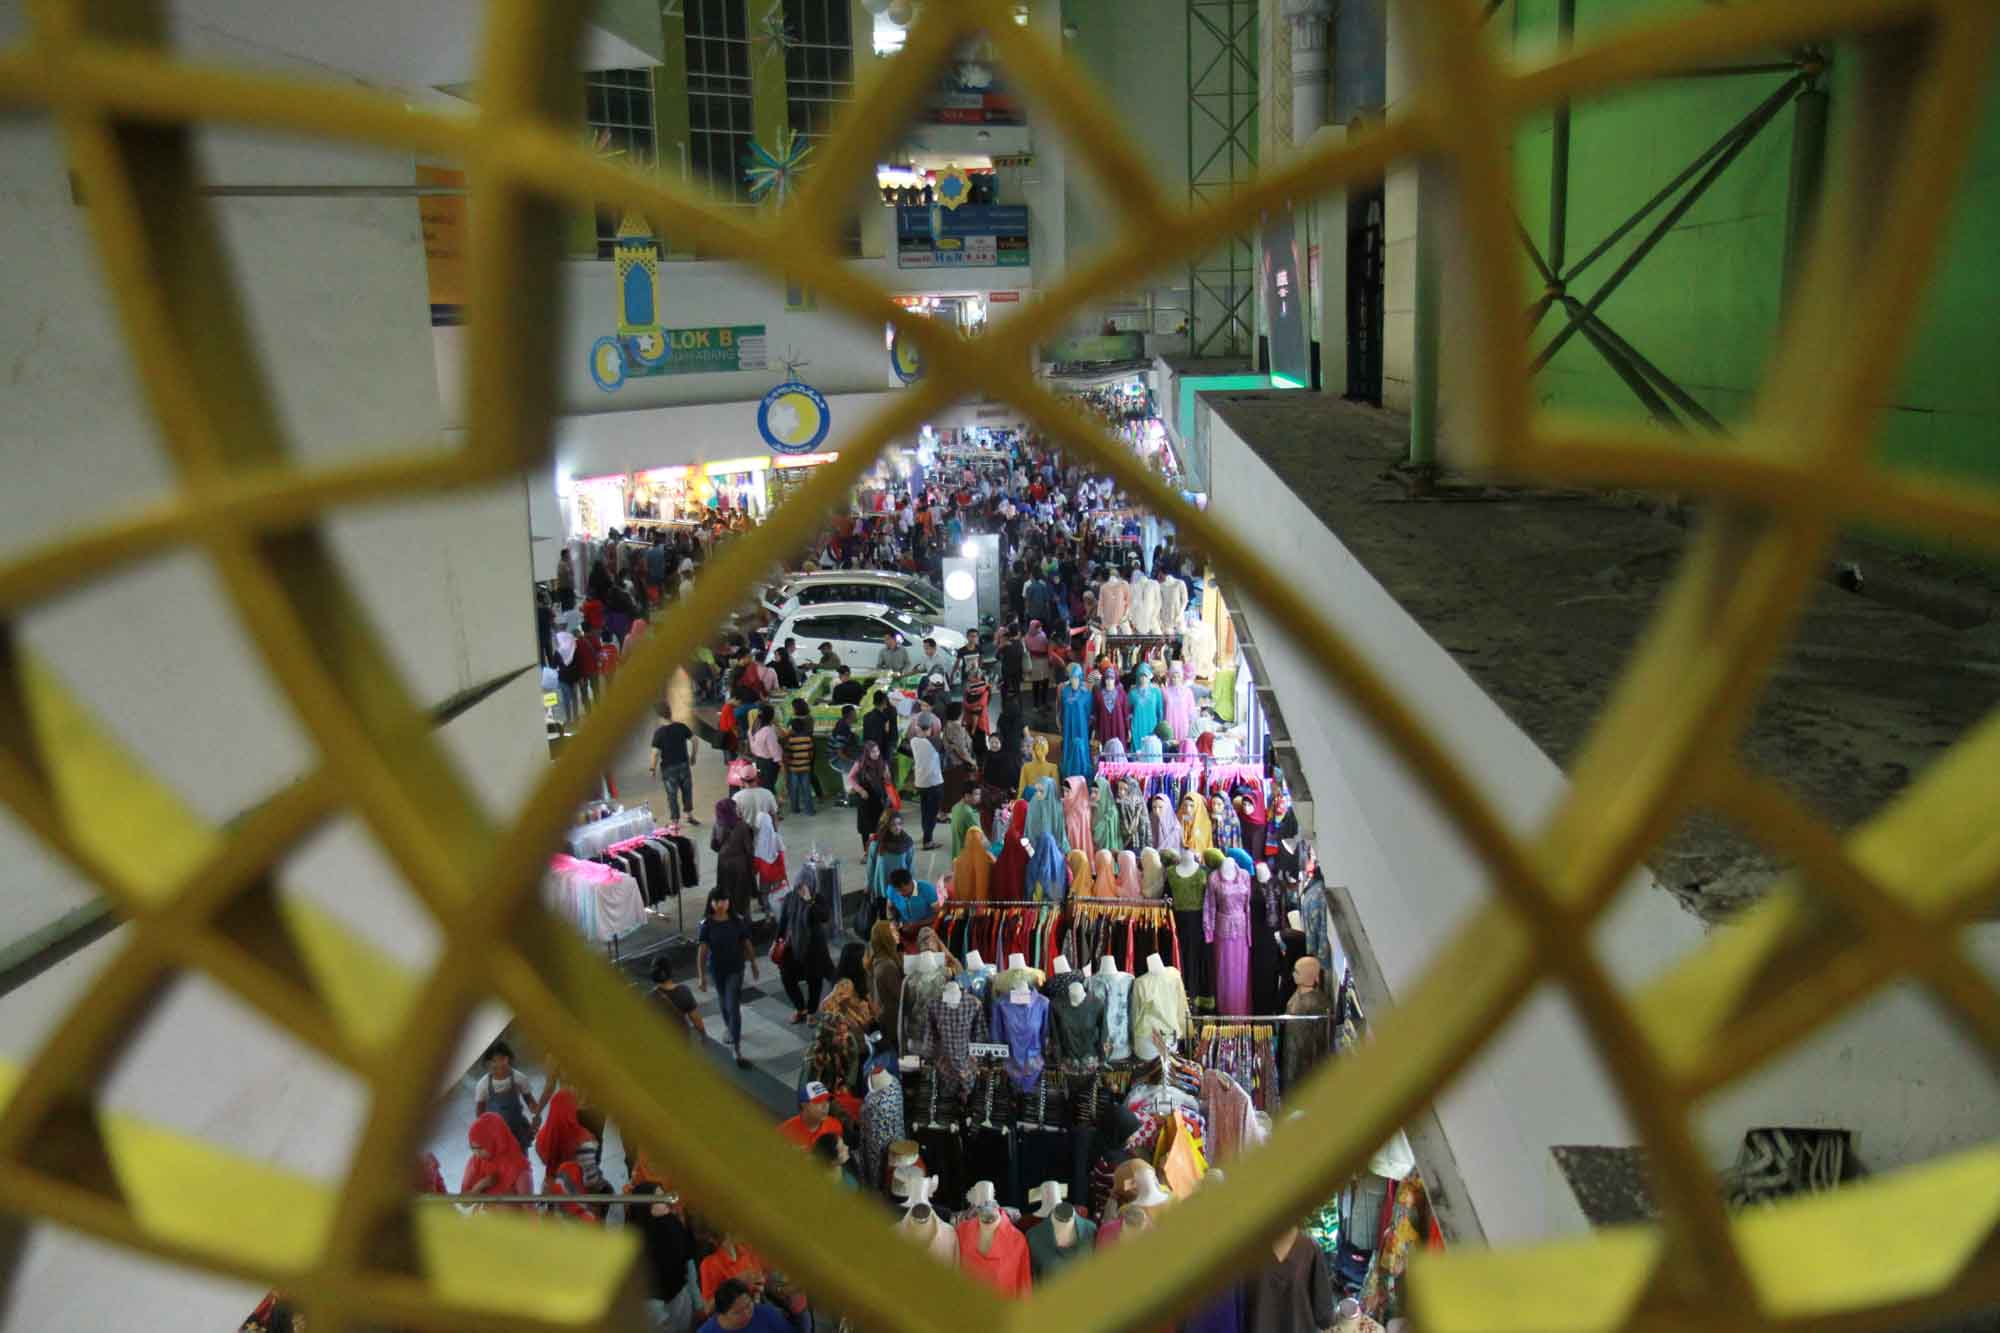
[(971, 236), (642, 347), (443, 220), (794, 418)]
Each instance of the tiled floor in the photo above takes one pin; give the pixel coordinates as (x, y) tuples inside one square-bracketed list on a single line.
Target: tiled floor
[(773, 1045)]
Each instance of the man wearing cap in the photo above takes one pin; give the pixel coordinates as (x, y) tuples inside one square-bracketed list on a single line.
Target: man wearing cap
[(812, 1123)]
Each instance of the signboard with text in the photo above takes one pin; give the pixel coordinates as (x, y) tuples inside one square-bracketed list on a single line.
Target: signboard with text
[(972, 236)]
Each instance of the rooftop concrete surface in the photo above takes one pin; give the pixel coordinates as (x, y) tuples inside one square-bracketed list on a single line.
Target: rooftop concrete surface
[(1540, 595)]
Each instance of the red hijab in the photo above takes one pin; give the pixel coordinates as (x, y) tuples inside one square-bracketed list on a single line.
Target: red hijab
[(562, 1133), (504, 1163), (1010, 868)]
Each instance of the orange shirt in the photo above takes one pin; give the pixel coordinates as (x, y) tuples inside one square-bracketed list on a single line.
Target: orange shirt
[(718, 1268), (795, 1130)]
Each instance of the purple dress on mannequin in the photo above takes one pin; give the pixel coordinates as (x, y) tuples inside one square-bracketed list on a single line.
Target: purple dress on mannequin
[(1226, 923)]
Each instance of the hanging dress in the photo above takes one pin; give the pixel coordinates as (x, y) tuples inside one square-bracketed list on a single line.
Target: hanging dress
[(1179, 703), (1075, 729), (1226, 925), (1146, 705), (1110, 714)]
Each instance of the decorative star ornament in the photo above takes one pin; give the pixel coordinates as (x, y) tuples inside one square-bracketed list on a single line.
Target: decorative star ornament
[(953, 187), (770, 172), (773, 33)]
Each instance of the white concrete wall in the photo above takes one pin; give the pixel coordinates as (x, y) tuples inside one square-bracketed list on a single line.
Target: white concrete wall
[(1907, 1086), (840, 355), (335, 291)]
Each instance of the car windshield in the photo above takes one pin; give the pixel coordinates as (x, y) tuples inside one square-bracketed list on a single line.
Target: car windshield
[(906, 624), (928, 590)]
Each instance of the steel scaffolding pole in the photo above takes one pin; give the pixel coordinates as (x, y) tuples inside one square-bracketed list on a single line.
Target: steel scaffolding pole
[(1221, 157)]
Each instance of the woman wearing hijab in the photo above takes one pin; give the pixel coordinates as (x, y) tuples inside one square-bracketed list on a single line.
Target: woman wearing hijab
[(883, 964), (959, 761), (1036, 642), (1077, 818), (869, 781), (768, 851), (735, 844), (567, 1144), (893, 849), (808, 959), (1249, 803), (497, 1164), (840, 1039), (1108, 1147), (972, 872)]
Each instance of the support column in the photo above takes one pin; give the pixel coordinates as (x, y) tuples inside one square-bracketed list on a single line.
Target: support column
[(1312, 21), (1808, 169), (1424, 369), (1559, 151)]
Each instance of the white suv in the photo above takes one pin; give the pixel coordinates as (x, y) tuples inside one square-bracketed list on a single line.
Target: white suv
[(898, 592), (856, 630)]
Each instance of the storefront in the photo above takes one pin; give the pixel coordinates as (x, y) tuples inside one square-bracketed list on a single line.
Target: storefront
[(595, 505), (790, 472)]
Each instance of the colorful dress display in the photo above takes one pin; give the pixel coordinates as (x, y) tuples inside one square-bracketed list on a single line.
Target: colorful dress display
[(1075, 701), (1024, 1027), (1225, 917), (1146, 704), (1110, 714), (1181, 709)]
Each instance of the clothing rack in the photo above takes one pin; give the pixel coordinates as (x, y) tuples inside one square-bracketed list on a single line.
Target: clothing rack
[(1257, 1020), (589, 841), (965, 904)]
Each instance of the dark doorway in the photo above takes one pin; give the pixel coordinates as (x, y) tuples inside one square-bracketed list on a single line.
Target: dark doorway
[(1364, 294)]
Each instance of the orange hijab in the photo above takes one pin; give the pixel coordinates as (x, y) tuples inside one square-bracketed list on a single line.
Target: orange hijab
[(972, 873)]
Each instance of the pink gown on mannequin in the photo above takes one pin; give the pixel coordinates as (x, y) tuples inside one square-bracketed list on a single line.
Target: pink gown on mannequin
[(1226, 924)]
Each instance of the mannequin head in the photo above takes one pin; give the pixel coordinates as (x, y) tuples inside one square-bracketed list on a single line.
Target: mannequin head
[(881, 1079), (1075, 673), (1263, 873), (1306, 973), (1155, 964), (1187, 862), (1174, 674), (1347, 1314), (1217, 808), (1145, 673)]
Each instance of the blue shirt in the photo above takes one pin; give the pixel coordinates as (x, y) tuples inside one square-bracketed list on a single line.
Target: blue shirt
[(921, 903), (764, 1319)]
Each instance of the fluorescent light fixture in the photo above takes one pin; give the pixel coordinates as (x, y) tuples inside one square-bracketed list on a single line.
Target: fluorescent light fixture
[(959, 586)]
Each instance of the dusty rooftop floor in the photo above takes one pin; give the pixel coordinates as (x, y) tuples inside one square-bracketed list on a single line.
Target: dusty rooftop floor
[(1540, 597)]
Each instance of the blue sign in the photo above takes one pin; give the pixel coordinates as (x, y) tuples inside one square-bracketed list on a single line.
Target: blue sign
[(906, 358), (971, 236), (794, 418)]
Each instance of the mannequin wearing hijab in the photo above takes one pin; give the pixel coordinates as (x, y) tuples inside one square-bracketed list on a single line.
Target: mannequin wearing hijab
[(1045, 815), (1167, 835), (972, 872), (1105, 831), (1039, 767), (1146, 704), (1178, 699), (1075, 712), (1134, 827), (1228, 832), (1076, 817), (1110, 713), (1128, 875), (1196, 834), (1010, 865), (1152, 874), (1104, 882)]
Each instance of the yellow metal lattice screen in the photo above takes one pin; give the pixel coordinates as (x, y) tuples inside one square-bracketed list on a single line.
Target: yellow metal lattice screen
[(1885, 904)]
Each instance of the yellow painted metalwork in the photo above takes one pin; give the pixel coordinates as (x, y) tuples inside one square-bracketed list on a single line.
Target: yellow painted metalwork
[(1884, 905)]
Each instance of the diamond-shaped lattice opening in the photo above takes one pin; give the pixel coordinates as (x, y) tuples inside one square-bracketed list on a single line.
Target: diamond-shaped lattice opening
[(1725, 615)]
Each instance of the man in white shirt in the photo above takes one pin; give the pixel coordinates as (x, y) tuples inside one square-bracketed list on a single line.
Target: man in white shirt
[(932, 661), (751, 801), (927, 773)]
